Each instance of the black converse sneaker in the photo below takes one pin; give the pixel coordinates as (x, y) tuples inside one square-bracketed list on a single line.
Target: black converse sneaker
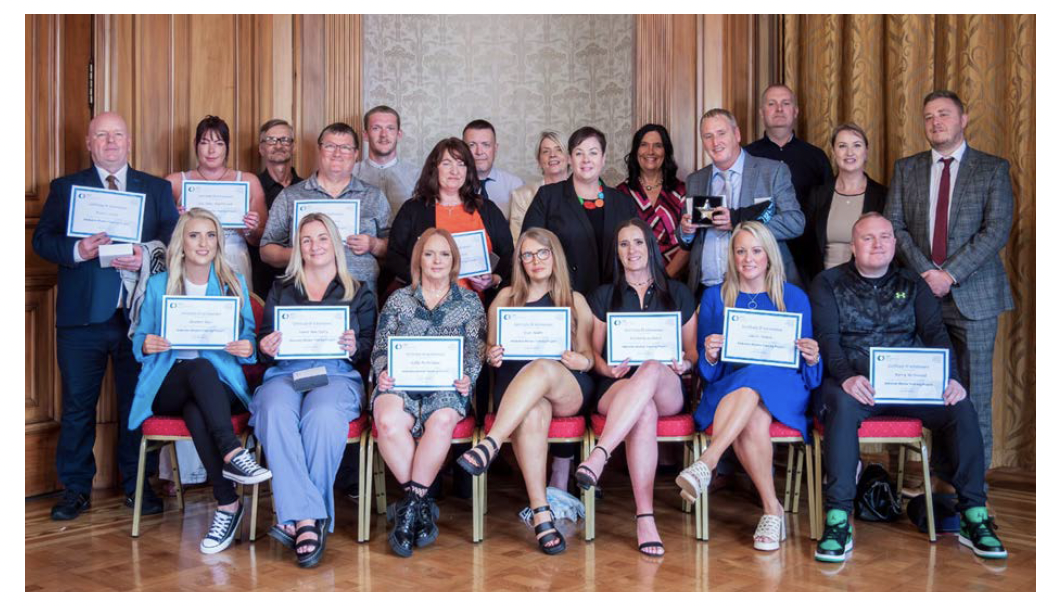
[(243, 469), (223, 530)]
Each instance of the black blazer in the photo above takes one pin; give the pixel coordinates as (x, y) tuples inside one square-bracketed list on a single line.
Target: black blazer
[(556, 208), (416, 216), (818, 218)]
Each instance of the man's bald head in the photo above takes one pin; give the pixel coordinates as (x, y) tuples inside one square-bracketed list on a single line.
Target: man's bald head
[(109, 141)]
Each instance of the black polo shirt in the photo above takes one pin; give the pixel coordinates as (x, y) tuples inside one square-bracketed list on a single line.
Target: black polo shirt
[(263, 275), (272, 188)]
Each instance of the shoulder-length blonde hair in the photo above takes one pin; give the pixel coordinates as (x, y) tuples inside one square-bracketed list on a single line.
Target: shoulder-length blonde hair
[(228, 282), (295, 270), (774, 282), (418, 255), (559, 285)]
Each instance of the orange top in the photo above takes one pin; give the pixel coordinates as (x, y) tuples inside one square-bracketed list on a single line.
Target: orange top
[(455, 219)]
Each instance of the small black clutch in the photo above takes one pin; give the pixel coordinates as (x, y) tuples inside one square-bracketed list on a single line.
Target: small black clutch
[(312, 378)]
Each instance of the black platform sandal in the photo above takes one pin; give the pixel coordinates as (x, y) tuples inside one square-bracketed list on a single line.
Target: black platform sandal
[(651, 544), (549, 532), (584, 475), (311, 558), (480, 453)]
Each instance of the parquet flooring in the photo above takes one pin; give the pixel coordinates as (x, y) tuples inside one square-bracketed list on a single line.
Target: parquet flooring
[(96, 552)]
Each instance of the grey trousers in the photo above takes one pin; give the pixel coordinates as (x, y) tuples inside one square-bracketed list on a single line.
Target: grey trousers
[(303, 438), (973, 346)]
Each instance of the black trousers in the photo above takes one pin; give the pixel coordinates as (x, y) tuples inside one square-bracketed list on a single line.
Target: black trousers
[(193, 391), (956, 427)]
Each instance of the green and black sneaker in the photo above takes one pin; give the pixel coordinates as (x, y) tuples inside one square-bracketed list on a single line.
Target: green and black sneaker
[(977, 533), (838, 538)]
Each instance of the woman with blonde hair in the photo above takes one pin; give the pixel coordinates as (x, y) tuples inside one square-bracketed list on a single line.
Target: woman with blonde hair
[(529, 393), (740, 400), (433, 305), (203, 386), (554, 163), (304, 432)]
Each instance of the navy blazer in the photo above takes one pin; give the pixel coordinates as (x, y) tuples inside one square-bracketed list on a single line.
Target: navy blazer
[(87, 291)]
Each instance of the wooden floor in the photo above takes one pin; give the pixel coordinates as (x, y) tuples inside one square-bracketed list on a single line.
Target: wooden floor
[(96, 551)]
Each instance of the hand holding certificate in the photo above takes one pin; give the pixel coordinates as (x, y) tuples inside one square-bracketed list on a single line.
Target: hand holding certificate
[(200, 322), (227, 200), (118, 214), (639, 337), (528, 333), (311, 332), (768, 338), (906, 375), (425, 363)]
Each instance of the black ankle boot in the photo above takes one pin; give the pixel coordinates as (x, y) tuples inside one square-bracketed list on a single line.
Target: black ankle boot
[(426, 526), (403, 534)]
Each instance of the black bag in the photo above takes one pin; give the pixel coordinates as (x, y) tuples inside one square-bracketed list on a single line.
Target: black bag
[(875, 499)]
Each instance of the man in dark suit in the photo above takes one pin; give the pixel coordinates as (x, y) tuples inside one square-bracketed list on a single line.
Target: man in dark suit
[(91, 318), (746, 181), (952, 210)]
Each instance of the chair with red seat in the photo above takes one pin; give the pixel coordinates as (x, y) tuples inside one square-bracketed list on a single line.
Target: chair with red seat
[(907, 432)]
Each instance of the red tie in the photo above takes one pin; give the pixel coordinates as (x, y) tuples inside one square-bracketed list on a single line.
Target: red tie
[(942, 207)]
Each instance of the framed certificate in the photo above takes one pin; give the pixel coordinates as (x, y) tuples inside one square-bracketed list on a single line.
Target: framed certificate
[(528, 333), (200, 322), (768, 338), (227, 200), (311, 331), (425, 363), (642, 336), (474, 256), (346, 214), (118, 213), (909, 375)]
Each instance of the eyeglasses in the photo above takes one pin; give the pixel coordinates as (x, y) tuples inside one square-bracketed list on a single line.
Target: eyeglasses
[(541, 255), (278, 140), (330, 148)]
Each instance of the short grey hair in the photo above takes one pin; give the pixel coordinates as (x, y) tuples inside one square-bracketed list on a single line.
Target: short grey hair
[(720, 112)]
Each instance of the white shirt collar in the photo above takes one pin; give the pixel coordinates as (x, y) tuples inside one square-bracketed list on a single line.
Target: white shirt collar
[(374, 164), (121, 174), (957, 154)]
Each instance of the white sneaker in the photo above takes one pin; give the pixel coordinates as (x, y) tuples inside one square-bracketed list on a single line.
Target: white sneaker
[(223, 530)]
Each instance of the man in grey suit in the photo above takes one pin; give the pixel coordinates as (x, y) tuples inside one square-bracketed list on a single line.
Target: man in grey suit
[(746, 181), (952, 210)]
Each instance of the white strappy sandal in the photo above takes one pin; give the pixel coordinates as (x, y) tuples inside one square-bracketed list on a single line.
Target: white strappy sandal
[(771, 528), (693, 481)]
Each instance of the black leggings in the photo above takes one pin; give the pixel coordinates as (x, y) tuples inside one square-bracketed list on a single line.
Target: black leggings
[(192, 390)]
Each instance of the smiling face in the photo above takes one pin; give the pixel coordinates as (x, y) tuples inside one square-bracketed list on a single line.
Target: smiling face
[(873, 244), (944, 125), (632, 248), (109, 142), (722, 141), (538, 269), (451, 173), (750, 258), (651, 152), (337, 155), (211, 151), (850, 152), (587, 160), (436, 259), (316, 246), (200, 242), (383, 134), (483, 145), (779, 108), (552, 159)]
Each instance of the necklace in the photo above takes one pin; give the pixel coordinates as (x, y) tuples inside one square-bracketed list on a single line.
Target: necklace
[(752, 299), (646, 282), (596, 203), (651, 186), (204, 178)]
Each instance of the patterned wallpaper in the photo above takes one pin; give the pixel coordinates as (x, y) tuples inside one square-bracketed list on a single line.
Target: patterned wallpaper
[(524, 74)]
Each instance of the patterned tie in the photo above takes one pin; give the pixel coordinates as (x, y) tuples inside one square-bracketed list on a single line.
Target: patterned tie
[(111, 182), (942, 208), (482, 188)]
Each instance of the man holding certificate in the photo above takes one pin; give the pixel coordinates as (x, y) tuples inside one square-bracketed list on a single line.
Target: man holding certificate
[(318, 323), (760, 365), (91, 315), (868, 303), (427, 356)]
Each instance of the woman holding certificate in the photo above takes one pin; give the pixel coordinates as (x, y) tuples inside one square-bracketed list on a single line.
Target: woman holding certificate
[(427, 356), (195, 332), (741, 398), (446, 197), (319, 322), (555, 383), (236, 198), (642, 380)]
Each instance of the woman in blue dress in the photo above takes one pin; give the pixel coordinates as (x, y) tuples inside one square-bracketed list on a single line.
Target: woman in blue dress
[(740, 400)]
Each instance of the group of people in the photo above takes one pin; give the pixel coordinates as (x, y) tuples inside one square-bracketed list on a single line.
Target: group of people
[(790, 236)]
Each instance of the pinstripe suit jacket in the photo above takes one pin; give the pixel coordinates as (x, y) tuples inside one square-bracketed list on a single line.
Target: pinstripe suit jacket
[(981, 216)]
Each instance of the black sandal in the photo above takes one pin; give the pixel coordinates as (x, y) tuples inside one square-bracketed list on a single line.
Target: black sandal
[(584, 475), (481, 454), (545, 527), (651, 544), (278, 533), (311, 558)]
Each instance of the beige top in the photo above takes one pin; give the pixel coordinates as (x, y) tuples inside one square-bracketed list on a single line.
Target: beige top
[(521, 199), (843, 212)]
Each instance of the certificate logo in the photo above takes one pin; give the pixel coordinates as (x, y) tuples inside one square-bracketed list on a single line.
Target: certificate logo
[(173, 305), (734, 318), (617, 322), (398, 346), (507, 316), (80, 196), (880, 358), (285, 316), (190, 188)]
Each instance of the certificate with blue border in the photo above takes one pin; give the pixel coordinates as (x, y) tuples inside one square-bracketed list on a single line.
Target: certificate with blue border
[(909, 375), (346, 214), (227, 200), (643, 336), (529, 333), (118, 213), (425, 363), (311, 331), (200, 322), (767, 338), (474, 256)]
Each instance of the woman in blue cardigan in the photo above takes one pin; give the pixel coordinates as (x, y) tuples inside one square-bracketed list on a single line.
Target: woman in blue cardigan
[(201, 385)]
